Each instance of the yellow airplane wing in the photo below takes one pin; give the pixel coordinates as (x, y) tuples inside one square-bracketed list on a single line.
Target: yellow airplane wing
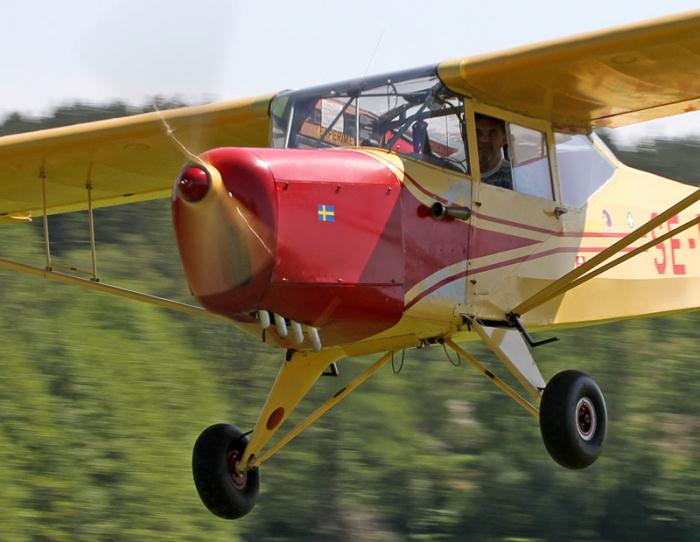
[(124, 160), (609, 78)]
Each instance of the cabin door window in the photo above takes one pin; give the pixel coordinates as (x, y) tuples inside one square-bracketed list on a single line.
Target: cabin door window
[(527, 149)]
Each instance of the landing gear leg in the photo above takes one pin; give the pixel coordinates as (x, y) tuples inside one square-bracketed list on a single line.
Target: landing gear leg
[(226, 481), (226, 465), (573, 417)]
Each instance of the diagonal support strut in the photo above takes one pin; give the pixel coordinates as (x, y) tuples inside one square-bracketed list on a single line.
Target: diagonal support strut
[(587, 271)]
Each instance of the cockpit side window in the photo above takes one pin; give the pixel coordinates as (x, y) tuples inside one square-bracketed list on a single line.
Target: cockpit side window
[(530, 161), (514, 157), (415, 115), (582, 168)]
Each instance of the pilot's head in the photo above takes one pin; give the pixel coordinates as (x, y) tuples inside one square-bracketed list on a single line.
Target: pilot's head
[(491, 137)]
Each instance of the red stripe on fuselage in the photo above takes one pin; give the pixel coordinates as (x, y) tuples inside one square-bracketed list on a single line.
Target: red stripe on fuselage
[(505, 222), (504, 263), (554, 233)]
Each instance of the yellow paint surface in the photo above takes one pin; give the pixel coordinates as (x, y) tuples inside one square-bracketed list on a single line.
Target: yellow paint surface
[(610, 78)]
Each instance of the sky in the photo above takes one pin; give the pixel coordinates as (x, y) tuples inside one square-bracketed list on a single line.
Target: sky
[(60, 52)]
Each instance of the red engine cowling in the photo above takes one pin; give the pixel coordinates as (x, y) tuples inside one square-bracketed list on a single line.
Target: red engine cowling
[(312, 235)]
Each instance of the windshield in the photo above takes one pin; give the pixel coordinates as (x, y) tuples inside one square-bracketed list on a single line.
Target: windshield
[(410, 113)]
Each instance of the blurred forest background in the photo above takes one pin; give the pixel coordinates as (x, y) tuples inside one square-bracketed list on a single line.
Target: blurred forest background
[(101, 400)]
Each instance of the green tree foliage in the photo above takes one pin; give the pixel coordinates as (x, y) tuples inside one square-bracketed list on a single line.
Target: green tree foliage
[(101, 400), (672, 158), (16, 123)]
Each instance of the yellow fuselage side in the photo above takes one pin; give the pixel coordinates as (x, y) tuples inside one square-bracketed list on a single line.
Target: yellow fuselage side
[(492, 282)]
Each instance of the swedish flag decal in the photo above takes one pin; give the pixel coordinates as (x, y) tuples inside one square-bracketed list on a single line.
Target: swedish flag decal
[(326, 213)]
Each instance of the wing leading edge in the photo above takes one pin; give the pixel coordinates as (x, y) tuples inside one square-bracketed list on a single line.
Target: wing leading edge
[(124, 160), (609, 78)]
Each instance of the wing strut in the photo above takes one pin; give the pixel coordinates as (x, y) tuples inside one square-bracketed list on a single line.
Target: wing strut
[(91, 227), (109, 289), (51, 270), (47, 247), (588, 270)]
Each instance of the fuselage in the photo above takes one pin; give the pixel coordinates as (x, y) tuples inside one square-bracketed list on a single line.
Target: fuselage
[(340, 236), (344, 240)]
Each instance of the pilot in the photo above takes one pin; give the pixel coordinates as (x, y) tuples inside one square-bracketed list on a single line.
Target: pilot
[(491, 138)]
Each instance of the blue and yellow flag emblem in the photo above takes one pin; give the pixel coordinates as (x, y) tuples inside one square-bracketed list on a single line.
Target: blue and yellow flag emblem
[(326, 213)]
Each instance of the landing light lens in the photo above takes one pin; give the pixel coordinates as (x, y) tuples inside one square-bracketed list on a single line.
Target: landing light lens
[(193, 184)]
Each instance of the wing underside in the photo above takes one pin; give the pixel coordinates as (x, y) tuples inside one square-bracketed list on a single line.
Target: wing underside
[(610, 78), (123, 160)]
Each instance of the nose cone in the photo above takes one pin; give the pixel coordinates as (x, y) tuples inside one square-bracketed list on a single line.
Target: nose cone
[(226, 233)]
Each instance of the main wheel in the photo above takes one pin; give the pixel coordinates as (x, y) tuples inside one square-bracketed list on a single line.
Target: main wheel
[(573, 419), (224, 491)]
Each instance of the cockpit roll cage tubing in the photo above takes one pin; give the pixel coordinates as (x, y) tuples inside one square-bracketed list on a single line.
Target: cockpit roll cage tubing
[(351, 88), (446, 111), (335, 120), (409, 121), (354, 87), (290, 120), (588, 270), (391, 120)]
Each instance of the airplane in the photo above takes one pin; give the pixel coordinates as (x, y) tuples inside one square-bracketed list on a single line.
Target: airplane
[(360, 218)]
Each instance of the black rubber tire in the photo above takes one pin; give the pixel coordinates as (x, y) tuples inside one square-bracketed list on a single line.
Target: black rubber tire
[(224, 494), (573, 419)]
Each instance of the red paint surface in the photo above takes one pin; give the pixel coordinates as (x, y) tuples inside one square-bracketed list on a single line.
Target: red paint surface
[(505, 263), (345, 276), (429, 244), (487, 242), (342, 312), (193, 183), (678, 268), (349, 276), (275, 418), (366, 222), (228, 238), (530, 227), (659, 263)]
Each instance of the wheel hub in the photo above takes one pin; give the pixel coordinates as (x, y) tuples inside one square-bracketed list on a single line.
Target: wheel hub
[(586, 421), (239, 479)]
